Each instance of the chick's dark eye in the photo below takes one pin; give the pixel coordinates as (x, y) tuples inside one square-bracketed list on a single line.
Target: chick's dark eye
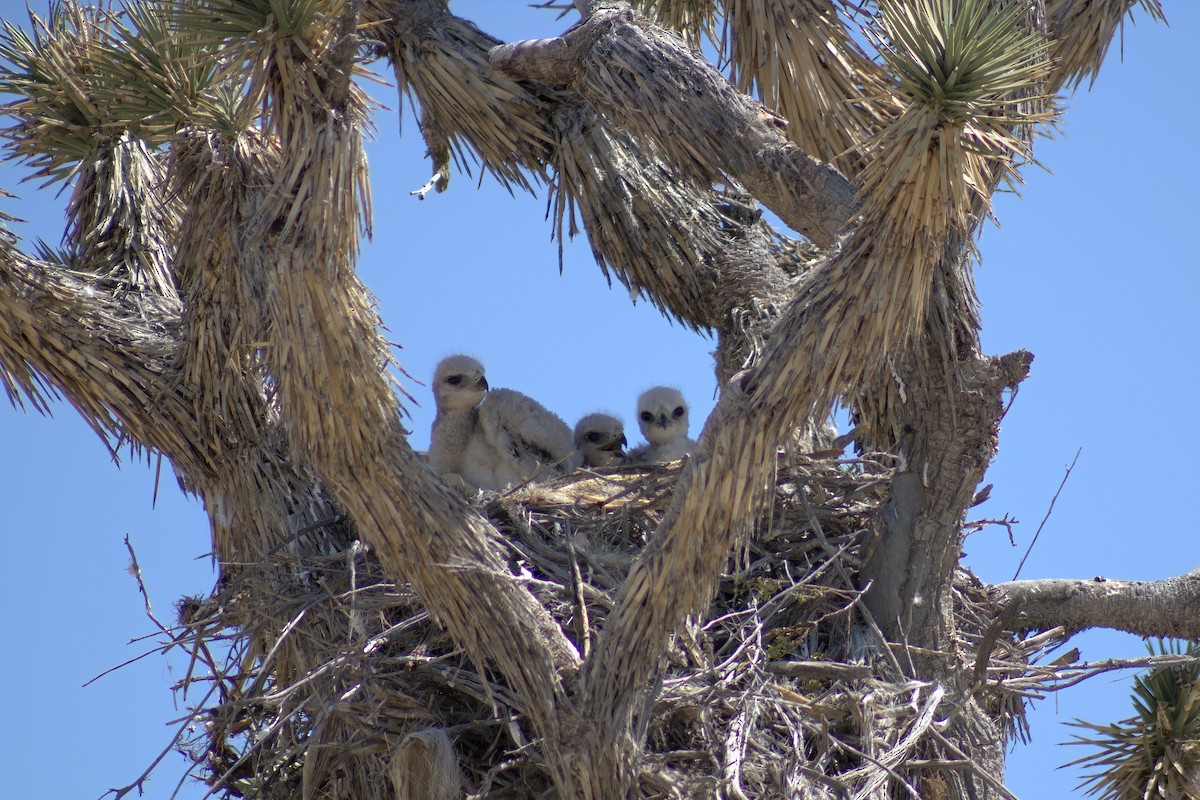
[(592, 437), (678, 411), (646, 415), (454, 380)]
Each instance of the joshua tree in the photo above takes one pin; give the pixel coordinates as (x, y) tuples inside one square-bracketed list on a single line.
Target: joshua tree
[(746, 624)]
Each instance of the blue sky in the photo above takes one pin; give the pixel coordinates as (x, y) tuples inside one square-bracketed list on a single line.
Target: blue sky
[(1093, 270)]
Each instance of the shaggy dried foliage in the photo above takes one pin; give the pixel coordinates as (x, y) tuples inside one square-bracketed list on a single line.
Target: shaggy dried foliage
[(325, 678), (802, 61), (1083, 30)]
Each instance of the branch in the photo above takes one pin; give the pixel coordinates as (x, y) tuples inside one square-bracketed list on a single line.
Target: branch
[(1167, 607), (654, 86), (188, 721), (855, 315), (917, 542), (1049, 511), (110, 358)]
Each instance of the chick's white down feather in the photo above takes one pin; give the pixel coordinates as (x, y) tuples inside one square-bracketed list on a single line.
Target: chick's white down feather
[(600, 439), (663, 420), (497, 438)]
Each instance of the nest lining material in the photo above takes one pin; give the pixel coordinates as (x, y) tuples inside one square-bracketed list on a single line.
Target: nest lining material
[(329, 680)]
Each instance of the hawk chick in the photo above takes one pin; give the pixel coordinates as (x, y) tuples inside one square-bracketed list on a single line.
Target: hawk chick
[(493, 439), (599, 438), (663, 418)]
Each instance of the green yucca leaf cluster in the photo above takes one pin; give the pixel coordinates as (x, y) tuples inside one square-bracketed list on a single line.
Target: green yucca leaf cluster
[(1154, 754), (54, 70), (963, 58), (172, 70), (226, 19), (84, 76), (969, 72)]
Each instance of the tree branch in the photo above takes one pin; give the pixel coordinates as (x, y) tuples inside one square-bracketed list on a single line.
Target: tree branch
[(1168, 607), (111, 359), (651, 84)]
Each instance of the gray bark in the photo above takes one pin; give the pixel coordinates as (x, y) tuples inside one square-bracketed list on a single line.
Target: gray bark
[(950, 434), (1168, 607)]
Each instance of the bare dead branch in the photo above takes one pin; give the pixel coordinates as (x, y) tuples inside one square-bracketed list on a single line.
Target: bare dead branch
[(135, 570), (1166, 607), (1049, 510)]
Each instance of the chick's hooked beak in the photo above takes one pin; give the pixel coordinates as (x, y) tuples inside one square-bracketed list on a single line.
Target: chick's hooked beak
[(615, 446), (482, 383)]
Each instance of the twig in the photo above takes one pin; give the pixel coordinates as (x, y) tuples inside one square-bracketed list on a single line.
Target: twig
[(988, 778), (1053, 500), (136, 571), (126, 663), (735, 747), (1054, 680), (984, 647), (834, 555), (259, 743), (976, 525), (854, 751)]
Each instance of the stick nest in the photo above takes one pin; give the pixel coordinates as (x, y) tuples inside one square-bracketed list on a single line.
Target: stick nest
[(326, 679)]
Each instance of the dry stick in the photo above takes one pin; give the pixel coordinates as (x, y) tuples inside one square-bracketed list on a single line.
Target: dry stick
[(854, 751), (535, 477), (735, 739), (113, 669), (136, 571), (938, 764), (977, 525), (983, 650), (987, 777), (1053, 500), (1076, 675), (984, 647), (830, 670), (735, 749), (264, 738)]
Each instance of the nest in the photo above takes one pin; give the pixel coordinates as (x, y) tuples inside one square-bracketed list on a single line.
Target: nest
[(328, 679)]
